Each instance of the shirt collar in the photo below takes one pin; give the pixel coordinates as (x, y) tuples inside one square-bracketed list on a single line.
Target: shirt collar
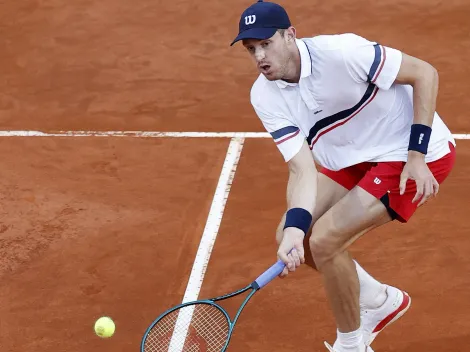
[(305, 64)]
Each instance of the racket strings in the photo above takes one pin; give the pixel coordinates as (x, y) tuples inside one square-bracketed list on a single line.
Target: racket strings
[(195, 328)]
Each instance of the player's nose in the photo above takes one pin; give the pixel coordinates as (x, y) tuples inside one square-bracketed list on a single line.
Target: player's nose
[(260, 55)]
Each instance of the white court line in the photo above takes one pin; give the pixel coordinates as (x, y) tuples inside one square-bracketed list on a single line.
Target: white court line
[(136, 134), (213, 220), (207, 242), (153, 134)]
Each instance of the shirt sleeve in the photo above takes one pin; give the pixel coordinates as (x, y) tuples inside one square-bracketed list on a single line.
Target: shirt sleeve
[(286, 135), (373, 63)]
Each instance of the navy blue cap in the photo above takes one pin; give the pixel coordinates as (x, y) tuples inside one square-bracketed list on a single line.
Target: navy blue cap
[(261, 21)]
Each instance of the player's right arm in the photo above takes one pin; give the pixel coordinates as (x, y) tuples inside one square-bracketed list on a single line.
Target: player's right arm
[(302, 184), (301, 194)]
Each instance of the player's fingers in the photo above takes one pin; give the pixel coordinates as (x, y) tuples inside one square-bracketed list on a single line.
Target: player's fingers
[(419, 191), (435, 186), (301, 252), (291, 265), (284, 273), (427, 191), (403, 179), (296, 257), (283, 256)]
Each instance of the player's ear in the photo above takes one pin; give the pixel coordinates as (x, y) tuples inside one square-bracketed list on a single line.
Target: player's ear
[(290, 34)]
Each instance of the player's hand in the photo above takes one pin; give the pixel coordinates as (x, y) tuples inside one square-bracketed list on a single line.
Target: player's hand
[(291, 250), (417, 169)]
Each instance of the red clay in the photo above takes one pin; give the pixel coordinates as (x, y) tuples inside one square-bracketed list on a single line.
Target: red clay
[(109, 226), (97, 227)]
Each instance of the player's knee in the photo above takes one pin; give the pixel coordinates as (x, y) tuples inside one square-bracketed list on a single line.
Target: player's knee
[(320, 252), (322, 245), (308, 254)]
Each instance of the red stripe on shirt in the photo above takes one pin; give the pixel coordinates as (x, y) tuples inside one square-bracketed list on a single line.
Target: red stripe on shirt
[(344, 121), (384, 57), (287, 138)]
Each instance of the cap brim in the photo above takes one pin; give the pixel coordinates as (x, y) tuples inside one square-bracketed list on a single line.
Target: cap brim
[(255, 33)]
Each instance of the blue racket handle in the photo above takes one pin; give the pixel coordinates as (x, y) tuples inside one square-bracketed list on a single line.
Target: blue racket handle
[(270, 274)]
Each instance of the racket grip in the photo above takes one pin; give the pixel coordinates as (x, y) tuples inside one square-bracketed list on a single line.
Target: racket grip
[(270, 274)]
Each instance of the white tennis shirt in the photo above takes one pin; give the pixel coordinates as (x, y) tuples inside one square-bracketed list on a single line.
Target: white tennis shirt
[(345, 105)]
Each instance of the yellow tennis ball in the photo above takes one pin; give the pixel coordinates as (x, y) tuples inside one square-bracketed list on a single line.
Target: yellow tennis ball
[(104, 327)]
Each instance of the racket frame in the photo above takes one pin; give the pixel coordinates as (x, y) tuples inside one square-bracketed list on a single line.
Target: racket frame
[(212, 302)]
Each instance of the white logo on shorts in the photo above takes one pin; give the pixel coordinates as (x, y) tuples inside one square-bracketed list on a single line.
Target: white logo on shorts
[(250, 19), (377, 181)]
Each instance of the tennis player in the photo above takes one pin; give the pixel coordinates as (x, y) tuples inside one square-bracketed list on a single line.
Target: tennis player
[(366, 114)]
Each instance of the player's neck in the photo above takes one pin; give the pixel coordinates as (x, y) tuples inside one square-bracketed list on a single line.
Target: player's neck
[(293, 67)]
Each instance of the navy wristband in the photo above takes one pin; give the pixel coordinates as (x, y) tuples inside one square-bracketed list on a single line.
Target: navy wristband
[(299, 218), (419, 138)]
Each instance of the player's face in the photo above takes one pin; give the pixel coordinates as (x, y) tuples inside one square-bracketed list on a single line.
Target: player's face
[(270, 55)]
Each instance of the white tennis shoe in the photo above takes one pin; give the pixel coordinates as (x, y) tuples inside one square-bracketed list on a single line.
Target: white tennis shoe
[(375, 320), (362, 348)]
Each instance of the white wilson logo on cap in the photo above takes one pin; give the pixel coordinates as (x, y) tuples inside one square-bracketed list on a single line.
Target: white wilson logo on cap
[(250, 19)]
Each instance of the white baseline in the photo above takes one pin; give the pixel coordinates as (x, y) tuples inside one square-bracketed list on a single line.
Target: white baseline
[(153, 134)]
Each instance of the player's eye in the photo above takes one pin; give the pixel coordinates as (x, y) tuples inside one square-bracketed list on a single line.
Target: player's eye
[(265, 44)]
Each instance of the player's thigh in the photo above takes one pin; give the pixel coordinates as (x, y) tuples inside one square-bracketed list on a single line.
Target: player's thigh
[(352, 216), (328, 193), (331, 187)]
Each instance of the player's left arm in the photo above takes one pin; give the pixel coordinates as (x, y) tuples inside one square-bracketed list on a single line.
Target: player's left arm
[(384, 66), (424, 79)]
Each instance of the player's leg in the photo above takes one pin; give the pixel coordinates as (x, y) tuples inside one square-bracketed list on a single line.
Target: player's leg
[(329, 192), (332, 186), (381, 304), (375, 201), (355, 214)]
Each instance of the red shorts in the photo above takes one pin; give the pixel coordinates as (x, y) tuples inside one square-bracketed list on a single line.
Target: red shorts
[(382, 180)]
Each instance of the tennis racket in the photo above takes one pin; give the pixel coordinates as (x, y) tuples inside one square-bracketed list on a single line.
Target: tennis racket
[(202, 325)]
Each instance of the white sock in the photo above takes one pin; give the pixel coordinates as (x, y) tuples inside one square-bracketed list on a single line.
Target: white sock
[(349, 341), (372, 293)]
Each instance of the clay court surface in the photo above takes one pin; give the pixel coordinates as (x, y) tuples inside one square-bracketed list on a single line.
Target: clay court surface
[(96, 226)]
